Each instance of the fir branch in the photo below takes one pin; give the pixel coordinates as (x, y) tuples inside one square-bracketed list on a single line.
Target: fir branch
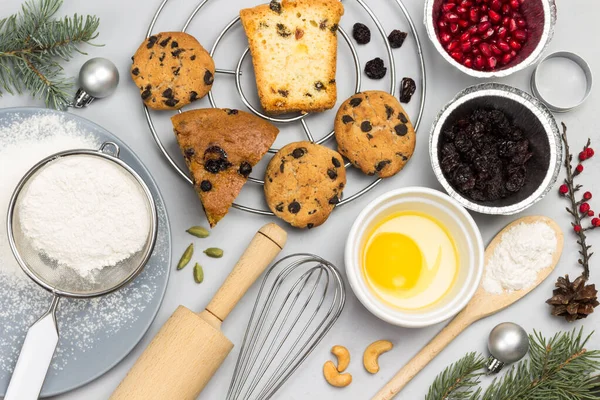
[(459, 380), (32, 40), (558, 368)]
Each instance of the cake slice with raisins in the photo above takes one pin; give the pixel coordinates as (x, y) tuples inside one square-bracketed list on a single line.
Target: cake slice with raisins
[(220, 147), (294, 52)]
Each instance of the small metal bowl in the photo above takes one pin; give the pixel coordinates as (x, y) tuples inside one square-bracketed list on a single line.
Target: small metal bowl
[(529, 114), (541, 17)]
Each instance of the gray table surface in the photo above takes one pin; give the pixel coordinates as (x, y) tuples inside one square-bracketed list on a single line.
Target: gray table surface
[(123, 24)]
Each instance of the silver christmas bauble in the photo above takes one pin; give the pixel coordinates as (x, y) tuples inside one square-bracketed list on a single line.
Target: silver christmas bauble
[(507, 344), (98, 78)]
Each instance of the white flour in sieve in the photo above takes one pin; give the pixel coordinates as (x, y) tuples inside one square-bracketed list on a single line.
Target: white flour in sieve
[(523, 251), (24, 140), (84, 212)]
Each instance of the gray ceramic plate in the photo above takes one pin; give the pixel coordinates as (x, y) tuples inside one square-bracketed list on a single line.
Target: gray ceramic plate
[(111, 326)]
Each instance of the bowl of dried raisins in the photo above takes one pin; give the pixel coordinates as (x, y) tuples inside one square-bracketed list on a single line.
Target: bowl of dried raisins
[(496, 149), (490, 38)]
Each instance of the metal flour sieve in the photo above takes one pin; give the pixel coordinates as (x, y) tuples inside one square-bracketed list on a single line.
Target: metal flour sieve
[(42, 338)]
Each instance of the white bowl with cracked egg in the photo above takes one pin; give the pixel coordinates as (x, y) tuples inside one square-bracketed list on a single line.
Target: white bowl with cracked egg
[(460, 226)]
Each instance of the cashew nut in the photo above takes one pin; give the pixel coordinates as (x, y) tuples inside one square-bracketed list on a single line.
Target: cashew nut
[(343, 357), (372, 353), (333, 376)]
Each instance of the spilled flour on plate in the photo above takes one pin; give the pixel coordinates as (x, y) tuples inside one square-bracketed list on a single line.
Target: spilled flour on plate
[(82, 323)]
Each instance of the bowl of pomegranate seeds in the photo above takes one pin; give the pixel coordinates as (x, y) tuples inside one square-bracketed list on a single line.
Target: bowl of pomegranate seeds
[(496, 149), (490, 38)]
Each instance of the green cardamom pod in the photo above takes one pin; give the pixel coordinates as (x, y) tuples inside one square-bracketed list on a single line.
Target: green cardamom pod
[(198, 231), (214, 252), (186, 257), (198, 273)]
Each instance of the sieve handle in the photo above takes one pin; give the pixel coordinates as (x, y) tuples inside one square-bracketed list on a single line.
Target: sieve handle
[(35, 357)]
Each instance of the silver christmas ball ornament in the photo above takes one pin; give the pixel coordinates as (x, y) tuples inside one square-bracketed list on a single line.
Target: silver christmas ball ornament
[(508, 343), (98, 78)]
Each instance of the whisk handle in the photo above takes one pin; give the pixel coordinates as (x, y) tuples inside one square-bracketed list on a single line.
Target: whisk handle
[(263, 248)]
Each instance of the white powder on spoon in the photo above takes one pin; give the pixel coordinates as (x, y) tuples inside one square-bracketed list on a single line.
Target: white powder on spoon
[(523, 251), (85, 212)]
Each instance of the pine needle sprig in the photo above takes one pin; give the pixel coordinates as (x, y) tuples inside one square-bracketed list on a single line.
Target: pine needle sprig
[(558, 368), (32, 42), (459, 381)]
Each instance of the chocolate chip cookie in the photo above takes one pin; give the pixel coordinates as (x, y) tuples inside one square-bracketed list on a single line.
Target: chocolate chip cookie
[(172, 69), (373, 131), (304, 182)]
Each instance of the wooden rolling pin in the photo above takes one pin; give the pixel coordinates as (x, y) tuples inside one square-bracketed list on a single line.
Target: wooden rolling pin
[(190, 347), (483, 304)]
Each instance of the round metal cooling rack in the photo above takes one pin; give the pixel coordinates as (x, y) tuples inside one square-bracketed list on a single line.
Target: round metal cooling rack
[(300, 117)]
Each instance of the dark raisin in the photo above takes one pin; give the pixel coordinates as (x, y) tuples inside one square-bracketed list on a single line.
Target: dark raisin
[(216, 165), (312, 212), (319, 86), (283, 31), (516, 181), (193, 57), (176, 71), (283, 93), (334, 200), (401, 129), (174, 44), (215, 150), (231, 111), (450, 162), (402, 156), (193, 96), (323, 24), (334, 28), (355, 102), (205, 186), (146, 94), (189, 152), (396, 38), (361, 33), (151, 41), (165, 42), (275, 6), (168, 93), (407, 89), (294, 207), (332, 174), (135, 71), (208, 78), (279, 207), (332, 81), (346, 119), (336, 163), (375, 69), (310, 225), (171, 102), (389, 111), (366, 126), (402, 118), (177, 52), (298, 152), (245, 169), (162, 57), (464, 178), (308, 95), (369, 136), (282, 166), (381, 165)]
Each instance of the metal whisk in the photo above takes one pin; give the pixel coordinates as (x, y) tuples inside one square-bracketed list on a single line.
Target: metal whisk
[(300, 299)]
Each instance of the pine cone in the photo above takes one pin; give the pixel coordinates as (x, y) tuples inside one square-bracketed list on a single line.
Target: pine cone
[(573, 300)]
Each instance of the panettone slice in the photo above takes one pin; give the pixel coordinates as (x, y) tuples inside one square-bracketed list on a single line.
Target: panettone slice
[(220, 147), (294, 52)]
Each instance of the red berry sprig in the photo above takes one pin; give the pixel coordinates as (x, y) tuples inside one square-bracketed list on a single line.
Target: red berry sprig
[(580, 209)]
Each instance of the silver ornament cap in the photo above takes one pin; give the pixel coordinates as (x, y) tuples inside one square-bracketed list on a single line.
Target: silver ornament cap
[(98, 78), (508, 343)]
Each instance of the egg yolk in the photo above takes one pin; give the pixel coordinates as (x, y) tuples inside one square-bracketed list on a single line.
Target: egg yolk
[(394, 261)]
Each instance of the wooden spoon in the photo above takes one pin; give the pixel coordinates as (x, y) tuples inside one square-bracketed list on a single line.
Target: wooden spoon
[(482, 304)]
